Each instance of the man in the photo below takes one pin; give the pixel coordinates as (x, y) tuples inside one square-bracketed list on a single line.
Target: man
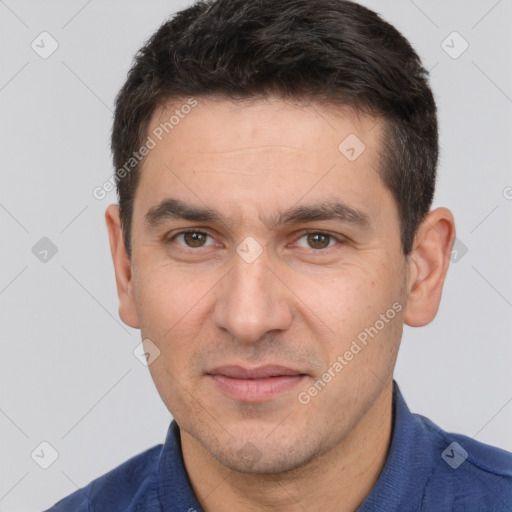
[(275, 165)]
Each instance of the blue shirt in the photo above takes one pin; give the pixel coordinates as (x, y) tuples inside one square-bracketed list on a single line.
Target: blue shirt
[(427, 470)]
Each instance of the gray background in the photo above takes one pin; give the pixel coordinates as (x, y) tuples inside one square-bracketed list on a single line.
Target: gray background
[(68, 375)]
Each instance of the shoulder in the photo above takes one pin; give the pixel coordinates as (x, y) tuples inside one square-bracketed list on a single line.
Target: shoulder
[(467, 475), (118, 489)]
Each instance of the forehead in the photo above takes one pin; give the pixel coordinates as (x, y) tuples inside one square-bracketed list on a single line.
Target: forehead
[(220, 124), (253, 154)]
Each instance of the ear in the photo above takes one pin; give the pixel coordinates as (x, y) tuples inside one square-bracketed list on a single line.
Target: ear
[(428, 265), (122, 268)]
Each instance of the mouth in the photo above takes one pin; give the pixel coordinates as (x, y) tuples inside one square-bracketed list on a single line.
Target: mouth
[(259, 384)]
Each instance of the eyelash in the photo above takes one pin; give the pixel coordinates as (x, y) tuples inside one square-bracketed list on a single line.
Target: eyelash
[(337, 238)]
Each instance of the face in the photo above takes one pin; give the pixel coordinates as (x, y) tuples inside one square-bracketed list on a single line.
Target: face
[(267, 270)]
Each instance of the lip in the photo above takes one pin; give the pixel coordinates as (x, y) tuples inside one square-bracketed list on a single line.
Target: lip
[(255, 384)]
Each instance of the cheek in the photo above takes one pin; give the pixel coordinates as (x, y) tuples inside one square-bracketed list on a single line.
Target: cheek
[(348, 303), (174, 309), (171, 311), (165, 297)]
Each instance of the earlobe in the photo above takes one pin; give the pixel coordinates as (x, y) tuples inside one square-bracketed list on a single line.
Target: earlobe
[(428, 266), (122, 268)]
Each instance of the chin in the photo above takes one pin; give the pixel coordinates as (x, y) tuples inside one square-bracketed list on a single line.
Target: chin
[(262, 454)]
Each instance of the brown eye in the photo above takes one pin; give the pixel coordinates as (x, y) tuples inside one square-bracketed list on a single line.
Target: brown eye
[(317, 240), (192, 239)]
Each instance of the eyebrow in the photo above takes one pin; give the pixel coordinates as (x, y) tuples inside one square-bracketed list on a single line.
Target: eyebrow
[(171, 208)]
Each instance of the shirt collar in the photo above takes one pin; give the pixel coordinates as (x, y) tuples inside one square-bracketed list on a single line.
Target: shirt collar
[(174, 487), (408, 465)]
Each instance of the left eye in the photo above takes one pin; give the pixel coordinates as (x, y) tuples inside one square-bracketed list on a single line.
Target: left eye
[(318, 240), (192, 239)]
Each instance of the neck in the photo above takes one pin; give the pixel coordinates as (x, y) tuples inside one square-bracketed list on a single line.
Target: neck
[(339, 479)]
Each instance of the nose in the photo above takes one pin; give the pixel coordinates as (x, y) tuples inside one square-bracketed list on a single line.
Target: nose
[(252, 301)]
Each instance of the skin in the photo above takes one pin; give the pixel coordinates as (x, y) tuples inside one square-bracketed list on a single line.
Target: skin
[(300, 304)]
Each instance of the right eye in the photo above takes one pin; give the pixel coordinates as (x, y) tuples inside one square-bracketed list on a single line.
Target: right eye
[(191, 238)]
